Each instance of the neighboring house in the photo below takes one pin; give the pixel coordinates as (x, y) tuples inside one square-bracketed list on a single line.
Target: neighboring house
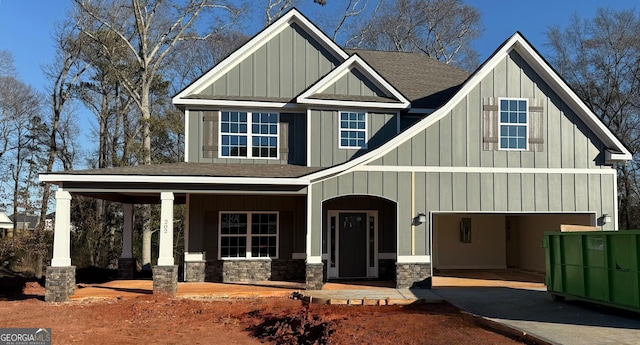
[(6, 225), (305, 161)]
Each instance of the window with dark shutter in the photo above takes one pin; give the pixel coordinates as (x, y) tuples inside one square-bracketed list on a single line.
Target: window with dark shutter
[(209, 134), (507, 127)]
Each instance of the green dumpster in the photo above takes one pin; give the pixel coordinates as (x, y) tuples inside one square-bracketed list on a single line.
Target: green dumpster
[(595, 266)]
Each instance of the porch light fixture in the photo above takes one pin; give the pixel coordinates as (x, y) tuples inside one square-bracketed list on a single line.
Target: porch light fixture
[(606, 219), (421, 218)]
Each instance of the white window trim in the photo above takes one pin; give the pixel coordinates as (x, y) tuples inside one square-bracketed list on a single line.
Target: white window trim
[(365, 130), (249, 235), (249, 134), (526, 124)]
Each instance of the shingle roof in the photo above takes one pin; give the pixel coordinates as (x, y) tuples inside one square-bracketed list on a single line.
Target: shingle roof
[(426, 82), (203, 169)]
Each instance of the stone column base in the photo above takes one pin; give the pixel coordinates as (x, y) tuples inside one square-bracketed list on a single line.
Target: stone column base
[(165, 279), (194, 271), (60, 283), (413, 275), (314, 276), (126, 268)]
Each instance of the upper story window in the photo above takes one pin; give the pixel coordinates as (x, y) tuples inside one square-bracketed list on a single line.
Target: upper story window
[(249, 134), (513, 124), (353, 130)]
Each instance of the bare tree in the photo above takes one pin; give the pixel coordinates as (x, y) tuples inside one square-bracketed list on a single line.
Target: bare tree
[(6, 63), (600, 59), (151, 30), (441, 29)]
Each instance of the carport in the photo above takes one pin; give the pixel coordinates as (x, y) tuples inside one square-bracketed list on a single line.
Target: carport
[(490, 241)]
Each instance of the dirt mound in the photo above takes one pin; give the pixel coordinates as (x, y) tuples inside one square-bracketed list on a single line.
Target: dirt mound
[(302, 328)]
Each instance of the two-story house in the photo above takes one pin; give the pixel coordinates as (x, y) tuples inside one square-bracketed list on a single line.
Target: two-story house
[(305, 161)]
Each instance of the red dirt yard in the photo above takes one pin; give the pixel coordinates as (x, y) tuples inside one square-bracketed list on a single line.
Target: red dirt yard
[(152, 319)]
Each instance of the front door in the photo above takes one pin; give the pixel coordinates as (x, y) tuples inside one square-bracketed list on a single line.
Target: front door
[(352, 243)]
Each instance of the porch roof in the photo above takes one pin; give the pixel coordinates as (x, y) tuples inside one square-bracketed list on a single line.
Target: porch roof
[(184, 169)]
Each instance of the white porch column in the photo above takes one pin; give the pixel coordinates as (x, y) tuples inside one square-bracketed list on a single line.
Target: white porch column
[(165, 255), (62, 230), (127, 231)]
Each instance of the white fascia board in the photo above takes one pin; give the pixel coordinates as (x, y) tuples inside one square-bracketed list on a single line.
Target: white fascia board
[(567, 94), (356, 104), (55, 178), (293, 16), (515, 41), (353, 62), (231, 103), (615, 157)]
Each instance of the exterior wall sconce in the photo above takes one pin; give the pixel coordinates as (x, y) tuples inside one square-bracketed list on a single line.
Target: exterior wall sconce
[(420, 218), (606, 218)]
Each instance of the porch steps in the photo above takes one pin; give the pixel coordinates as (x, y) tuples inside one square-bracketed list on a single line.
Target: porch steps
[(370, 297)]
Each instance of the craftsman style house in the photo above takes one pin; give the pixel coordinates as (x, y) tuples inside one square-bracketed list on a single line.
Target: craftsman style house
[(308, 162)]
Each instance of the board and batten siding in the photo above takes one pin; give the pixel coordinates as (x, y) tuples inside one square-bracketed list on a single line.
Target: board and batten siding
[(283, 67), (353, 84), (518, 193), (457, 140), (203, 139), (203, 213), (324, 134)]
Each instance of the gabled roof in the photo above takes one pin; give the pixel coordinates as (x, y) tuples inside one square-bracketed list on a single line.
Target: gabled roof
[(426, 82), (185, 96), (314, 95), (616, 151)]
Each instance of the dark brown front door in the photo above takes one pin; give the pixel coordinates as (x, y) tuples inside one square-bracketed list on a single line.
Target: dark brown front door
[(352, 245)]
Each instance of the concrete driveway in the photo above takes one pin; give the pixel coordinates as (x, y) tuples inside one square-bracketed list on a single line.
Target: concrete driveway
[(531, 311)]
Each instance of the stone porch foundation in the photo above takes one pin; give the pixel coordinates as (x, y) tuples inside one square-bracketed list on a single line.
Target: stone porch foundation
[(413, 275), (194, 271), (60, 283), (126, 268), (314, 276), (165, 279)]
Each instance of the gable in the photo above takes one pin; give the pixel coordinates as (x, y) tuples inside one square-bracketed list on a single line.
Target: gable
[(270, 69), (279, 70), (354, 83), (461, 138), (611, 152)]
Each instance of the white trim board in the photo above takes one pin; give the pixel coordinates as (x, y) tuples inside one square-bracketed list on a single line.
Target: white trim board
[(445, 169), (519, 44), (259, 40), (353, 62), (173, 179)]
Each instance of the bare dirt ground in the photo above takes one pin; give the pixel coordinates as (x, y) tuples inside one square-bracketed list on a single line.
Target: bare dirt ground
[(153, 319)]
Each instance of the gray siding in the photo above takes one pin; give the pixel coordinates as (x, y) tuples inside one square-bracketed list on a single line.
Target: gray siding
[(292, 139), (456, 140), (204, 212), (467, 192), (325, 151), (273, 71), (353, 84)]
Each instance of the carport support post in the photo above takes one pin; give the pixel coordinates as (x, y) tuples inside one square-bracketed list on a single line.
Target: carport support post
[(61, 276), (165, 274), (126, 263)]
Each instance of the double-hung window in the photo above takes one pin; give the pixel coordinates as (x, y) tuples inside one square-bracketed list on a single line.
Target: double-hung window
[(245, 235), (248, 134), (513, 124), (353, 130)]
